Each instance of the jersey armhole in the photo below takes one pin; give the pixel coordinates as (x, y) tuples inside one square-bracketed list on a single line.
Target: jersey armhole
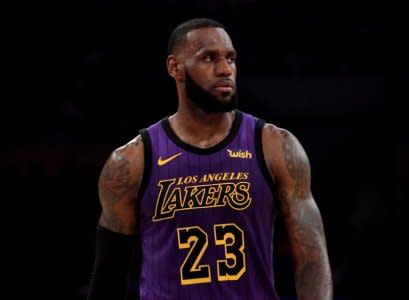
[(258, 140), (147, 166)]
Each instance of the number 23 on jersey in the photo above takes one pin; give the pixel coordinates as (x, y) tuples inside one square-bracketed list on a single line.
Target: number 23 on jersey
[(230, 267)]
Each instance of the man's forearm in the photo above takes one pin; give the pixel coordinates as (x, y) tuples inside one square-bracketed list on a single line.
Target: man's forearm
[(112, 260), (314, 281)]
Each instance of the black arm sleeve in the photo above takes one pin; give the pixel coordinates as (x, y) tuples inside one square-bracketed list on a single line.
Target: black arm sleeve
[(113, 253)]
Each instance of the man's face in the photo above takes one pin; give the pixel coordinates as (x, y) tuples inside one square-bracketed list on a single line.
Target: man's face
[(210, 70)]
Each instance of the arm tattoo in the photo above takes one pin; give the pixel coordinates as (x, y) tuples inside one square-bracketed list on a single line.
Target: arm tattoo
[(307, 229), (114, 183), (115, 179), (111, 222), (297, 166), (313, 278)]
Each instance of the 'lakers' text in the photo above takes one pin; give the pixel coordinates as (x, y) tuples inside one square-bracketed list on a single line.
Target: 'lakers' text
[(206, 191)]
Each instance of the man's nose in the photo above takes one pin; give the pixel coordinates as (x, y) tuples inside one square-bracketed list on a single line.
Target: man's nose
[(224, 68)]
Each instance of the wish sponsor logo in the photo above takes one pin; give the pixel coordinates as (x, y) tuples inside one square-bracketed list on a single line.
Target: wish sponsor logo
[(240, 154)]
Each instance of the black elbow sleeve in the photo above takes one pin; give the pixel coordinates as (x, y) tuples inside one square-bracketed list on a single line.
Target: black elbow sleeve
[(113, 254)]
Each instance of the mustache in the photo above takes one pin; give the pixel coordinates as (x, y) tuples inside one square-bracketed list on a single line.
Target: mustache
[(225, 82)]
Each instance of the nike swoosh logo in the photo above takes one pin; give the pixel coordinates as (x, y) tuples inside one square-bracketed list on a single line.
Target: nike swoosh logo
[(162, 162)]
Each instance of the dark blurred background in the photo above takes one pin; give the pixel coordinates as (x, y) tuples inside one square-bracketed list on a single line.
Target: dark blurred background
[(86, 75)]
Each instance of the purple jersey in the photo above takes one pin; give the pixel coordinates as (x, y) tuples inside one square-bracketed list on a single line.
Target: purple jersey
[(206, 216)]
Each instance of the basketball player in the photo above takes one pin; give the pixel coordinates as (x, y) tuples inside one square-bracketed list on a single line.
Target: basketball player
[(201, 190)]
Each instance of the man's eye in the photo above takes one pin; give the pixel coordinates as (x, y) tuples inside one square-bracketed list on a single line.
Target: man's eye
[(208, 58)]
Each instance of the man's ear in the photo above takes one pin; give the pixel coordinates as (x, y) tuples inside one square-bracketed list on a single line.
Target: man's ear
[(174, 67)]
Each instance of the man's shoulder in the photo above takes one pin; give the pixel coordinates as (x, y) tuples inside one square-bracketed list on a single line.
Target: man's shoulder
[(130, 148), (274, 132), (130, 152), (277, 139), (280, 141), (126, 160)]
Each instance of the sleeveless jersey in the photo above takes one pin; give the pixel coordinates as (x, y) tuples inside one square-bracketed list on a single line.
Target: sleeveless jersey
[(206, 216)]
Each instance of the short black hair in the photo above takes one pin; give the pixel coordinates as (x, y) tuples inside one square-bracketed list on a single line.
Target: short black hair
[(180, 32)]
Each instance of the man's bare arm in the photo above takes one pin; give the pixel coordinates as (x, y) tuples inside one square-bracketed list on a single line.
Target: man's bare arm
[(291, 172), (115, 237), (118, 186)]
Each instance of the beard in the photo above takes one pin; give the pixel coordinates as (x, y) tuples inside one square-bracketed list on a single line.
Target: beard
[(207, 101)]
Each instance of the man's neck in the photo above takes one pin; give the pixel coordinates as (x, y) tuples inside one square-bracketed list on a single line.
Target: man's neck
[(201, 129)]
